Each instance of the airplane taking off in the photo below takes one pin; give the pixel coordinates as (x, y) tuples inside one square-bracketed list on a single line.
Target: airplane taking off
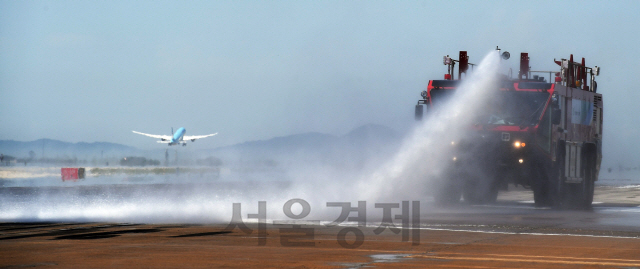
[(177, 138)]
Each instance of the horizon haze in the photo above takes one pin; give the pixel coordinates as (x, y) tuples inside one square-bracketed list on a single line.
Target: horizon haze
[(95, 71)]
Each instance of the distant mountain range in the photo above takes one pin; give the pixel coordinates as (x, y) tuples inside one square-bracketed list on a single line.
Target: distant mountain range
[(55, 148), (363, 144), (365, 136), (363, 141)]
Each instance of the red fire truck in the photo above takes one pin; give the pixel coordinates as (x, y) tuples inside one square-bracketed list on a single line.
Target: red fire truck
[(543, 135)]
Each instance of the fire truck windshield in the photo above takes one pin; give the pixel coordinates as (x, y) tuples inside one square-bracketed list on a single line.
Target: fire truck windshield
[(521, 108), (440, 96)]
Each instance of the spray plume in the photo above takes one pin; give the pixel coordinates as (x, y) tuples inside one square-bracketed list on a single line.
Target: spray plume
[(406, 176), (424, 155)]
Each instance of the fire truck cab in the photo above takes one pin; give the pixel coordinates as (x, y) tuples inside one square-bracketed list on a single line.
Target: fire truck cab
[(543, 135)]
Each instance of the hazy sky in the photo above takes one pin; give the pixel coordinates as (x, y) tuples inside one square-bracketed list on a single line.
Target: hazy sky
[(96, 70)]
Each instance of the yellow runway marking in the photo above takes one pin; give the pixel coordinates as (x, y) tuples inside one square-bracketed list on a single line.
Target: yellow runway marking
[(556, 257), (533, 259)]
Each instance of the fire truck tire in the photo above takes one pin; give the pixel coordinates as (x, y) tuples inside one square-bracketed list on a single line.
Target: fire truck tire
[(447, 194), (542, 189), (587, 187), (562, 193), (580, 196), (474, 194), (541, 194), (492, 195)]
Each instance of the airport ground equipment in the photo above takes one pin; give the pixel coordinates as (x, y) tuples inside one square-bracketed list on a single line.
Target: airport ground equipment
[(543, 135), (71, 174)]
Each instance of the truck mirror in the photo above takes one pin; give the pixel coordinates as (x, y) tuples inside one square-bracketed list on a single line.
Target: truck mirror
[(419, 112), (555, 115)]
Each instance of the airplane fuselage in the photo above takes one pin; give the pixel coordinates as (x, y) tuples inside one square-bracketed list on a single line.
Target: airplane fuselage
[(177, 136)]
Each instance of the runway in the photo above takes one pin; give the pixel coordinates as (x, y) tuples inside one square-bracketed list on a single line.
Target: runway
[(511, 233), (135, 246)]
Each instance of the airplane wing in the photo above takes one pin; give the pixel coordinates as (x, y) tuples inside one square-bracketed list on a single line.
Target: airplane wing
[(163, 137), (194, 137)]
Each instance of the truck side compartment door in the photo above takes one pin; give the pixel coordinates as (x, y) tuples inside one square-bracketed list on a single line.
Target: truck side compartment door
[(572, 169)]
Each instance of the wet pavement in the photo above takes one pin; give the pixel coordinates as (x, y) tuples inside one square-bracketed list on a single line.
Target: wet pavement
[(206, 246), (511, 233)]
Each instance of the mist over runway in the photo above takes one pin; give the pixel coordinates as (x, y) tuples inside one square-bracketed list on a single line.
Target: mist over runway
[(377, 173), (616, 210), (510, 233)]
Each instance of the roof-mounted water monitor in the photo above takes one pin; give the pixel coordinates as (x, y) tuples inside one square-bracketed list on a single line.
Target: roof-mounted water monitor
[(506, 55)]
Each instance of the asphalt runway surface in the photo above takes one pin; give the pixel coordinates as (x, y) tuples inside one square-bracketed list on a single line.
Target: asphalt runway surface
[(511, 233)]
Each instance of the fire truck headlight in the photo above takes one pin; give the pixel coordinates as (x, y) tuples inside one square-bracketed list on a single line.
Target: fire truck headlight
[(521, 161), (519, 144), (455, 159), (424, 94)]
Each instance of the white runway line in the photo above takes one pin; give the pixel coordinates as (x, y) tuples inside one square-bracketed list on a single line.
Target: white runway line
[(525, 233), (371, 225), (612, 209)]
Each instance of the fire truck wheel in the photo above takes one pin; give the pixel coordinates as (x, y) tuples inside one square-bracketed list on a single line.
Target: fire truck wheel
[(588, 193), (541, 195), (561, 192), (475, 193), (587, 186), (447, 194), (580, 196), (542, 190), (492, 195)]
